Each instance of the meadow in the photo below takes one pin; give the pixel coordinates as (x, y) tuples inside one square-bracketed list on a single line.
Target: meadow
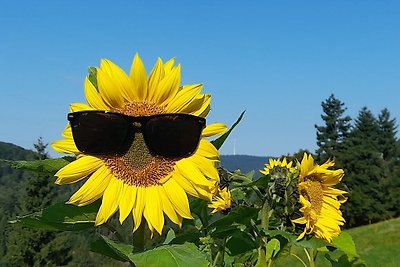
[(378, 245)]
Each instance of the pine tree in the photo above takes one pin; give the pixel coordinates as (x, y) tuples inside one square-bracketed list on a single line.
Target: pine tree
[(364, 165), (30, 247), (389, 146), (331, 136), (387, 141)]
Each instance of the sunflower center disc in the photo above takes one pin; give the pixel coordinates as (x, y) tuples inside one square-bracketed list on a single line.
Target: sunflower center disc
[(313, 192), (139, 167), (138, 155)]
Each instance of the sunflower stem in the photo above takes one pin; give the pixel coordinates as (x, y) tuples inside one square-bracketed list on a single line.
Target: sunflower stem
[(265, 215), (311, 256), (297, 257), (138, 238)]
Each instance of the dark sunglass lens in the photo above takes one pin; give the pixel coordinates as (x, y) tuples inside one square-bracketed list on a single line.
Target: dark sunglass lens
[(173, 135), (99, 133)]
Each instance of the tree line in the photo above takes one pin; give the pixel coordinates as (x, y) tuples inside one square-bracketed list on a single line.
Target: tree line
[(368, 150)]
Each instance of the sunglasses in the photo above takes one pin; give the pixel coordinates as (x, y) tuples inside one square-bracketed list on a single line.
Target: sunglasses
[(98, 132)]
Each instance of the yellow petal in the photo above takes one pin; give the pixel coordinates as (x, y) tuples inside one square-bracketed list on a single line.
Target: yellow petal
[(128, 197), (301, 220), (138, 78), (66, 146), (204, 108), (74, 107), (208, 150), (183, 98), (187, 186), (153, 209), (93, 97), (110, 201), (207, 167), (178, 198), (93, 188), (78, 169), (169, 86), (190, 171), (155, 77), (138, 207), (67, 133), (169, 209), (118, 80), (109, 88), (214, 129)]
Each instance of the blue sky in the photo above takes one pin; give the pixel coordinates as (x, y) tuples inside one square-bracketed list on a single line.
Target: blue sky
[(275, 59)]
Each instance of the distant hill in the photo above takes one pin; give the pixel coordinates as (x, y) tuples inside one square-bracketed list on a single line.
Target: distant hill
[(14, 152), (245, 163)]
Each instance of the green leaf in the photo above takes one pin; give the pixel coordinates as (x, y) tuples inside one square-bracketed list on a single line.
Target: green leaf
[(238, 215), (62, 216), (345, 243), (107, 247), (240, 242), (220, 140), (92, 75), (46, 166), (186, 237), (166, 255), (170, 236), (344, 261), (200, 208), (272, 249), (260, 182), (276, 233), (171, 256), (312, 242)]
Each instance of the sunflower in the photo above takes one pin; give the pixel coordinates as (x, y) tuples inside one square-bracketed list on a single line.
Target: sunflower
[(138, 182), (319, 199), (221, 202), (275, 166)]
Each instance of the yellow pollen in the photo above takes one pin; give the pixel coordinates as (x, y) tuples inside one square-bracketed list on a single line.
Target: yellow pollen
[(312, 190), (138, 166)]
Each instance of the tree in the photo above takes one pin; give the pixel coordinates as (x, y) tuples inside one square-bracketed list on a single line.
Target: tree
[(390, 147), (387, 141), (29, 247), (331, 136), (364, 164), (40, 148)]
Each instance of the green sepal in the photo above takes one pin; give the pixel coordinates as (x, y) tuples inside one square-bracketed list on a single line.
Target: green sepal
[(62, 216), (92, 75), (186, 254), (221, 140), (45, 166)]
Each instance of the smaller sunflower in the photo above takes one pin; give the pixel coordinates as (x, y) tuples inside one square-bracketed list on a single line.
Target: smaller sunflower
[(319, 199), (275, 166), (223, 202)]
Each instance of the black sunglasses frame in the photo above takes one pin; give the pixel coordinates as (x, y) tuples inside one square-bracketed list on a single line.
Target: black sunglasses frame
[(135, 124)]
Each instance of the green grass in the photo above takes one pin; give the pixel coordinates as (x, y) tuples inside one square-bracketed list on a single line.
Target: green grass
[(377, 244)]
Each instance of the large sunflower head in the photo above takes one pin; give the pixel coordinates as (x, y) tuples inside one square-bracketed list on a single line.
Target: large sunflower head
[(140, 182), (319, 199)]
